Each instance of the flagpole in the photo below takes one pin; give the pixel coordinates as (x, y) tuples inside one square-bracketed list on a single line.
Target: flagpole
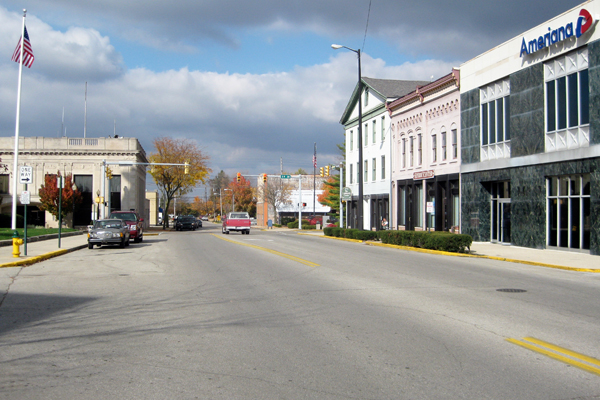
[(16, 158)]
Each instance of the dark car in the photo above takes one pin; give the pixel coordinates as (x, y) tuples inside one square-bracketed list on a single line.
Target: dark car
[(186, 222), (198, 223), (134, 222), (108, 231)]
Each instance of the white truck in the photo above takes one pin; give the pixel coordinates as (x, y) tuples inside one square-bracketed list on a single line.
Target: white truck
[(237, 221)]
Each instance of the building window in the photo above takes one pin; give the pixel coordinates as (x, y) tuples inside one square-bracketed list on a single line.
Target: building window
[(4, 182), (374, 131), (419, 149), (403, 152), (382, 167), (366, 135), (366, 172), (402, 205), (569, 217), (419, 206), (411, 151), (495, 118), (567, 101), (382, 129), (357, 173), (374, 170), (433, 148), (454, 144), (366, 97), (351, 141), (443, 146), (350, 174)]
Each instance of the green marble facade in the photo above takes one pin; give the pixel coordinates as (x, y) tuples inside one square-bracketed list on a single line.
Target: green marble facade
[(528, 183)]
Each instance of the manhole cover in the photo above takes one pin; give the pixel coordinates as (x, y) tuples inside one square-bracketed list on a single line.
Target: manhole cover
[(511, 290)]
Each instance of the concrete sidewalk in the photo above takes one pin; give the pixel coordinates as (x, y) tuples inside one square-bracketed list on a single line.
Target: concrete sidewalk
[(569, 260), (41, 250)]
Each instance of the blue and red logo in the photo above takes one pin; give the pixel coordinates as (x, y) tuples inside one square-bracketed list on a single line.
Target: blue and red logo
[(585, 22)]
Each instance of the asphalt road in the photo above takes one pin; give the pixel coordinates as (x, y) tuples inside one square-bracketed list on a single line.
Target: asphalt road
[(201, 315)]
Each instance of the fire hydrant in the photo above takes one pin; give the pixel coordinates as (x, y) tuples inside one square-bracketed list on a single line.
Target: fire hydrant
[(17, 241)]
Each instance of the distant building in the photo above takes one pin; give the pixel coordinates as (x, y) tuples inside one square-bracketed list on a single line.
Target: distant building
[(376, 147), (426, 157), (83, 158)]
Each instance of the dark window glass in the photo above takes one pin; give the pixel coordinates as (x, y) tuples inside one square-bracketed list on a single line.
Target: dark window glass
[(484, 124), (584, 97), (561, 94), (500, 120), (550, 107), (586, 223), (507, 118), (492, 122), (573, 100), (553, 221)]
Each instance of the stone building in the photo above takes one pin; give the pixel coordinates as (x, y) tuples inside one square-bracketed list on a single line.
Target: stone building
[(84, 159), (530, 127)]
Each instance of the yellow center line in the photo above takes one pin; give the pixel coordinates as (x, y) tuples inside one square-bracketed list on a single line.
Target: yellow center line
[(559, 353), (278, 253)]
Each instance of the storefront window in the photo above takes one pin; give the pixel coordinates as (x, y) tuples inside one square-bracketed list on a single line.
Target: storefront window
[(402, 205), (569, 217), (419, 205)]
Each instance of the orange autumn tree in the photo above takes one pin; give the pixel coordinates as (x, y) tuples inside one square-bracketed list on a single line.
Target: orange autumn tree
[(49, 195), (245, 200)]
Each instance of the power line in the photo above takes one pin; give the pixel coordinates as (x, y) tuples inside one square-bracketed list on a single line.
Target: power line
[(366, 27)]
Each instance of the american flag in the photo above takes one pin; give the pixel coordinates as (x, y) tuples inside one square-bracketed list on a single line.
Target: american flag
[(315, 161), (27, 52)]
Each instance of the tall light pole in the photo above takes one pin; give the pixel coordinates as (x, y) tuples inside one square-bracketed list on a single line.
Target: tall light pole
[(359, 206)]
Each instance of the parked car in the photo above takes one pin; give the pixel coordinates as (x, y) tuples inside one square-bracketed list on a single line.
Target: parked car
[(134, 222), (198, 223), (108, 231), (186, 222), (205, 218)]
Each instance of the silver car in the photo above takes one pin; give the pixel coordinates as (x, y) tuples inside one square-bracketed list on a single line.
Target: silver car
[(108, 231)]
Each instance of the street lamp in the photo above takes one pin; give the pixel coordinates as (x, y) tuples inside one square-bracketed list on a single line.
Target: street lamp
[(359, 206)]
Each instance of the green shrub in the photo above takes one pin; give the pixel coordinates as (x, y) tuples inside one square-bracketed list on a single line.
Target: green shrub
[(443, 241), (328, 231), (293, 224), (307, 226)]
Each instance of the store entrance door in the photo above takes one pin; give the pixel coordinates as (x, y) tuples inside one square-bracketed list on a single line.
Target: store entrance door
[(501, 220)]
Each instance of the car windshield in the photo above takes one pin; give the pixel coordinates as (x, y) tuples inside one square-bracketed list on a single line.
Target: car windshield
[(124, 216), (108, 224), (188, 219)]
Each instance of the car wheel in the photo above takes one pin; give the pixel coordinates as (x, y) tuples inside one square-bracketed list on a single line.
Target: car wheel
[(247, 232), (90, 246), (127, 243), (122, 244)]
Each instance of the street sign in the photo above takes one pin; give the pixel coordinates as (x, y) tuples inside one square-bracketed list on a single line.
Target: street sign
[(25, 197), (25, 174), (286, 176), (60, 182), (346, 194)]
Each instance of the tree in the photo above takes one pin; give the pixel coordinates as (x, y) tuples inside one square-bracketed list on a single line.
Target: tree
[(245, 199), (276, 192), (300, 172), (331, 194), (49, 195), (172, 180)]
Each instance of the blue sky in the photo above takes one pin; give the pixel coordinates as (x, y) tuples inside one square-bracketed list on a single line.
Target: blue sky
[(251, 82)]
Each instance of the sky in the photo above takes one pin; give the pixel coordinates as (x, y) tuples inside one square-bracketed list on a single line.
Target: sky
[(255, 84)]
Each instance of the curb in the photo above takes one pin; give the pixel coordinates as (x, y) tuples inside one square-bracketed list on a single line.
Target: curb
[(446, 253), (46, 256)]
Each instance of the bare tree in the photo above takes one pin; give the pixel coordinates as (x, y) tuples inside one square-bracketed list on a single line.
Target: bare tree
[(277, 192)]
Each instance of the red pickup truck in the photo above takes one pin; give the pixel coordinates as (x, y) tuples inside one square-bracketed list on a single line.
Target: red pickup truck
[(237, 221)]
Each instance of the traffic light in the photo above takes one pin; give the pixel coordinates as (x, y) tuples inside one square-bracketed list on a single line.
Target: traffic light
[(187, 168), (322, 172), (327, 170), (265, 178), (109, 174), (239, 177), (303, 204)]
